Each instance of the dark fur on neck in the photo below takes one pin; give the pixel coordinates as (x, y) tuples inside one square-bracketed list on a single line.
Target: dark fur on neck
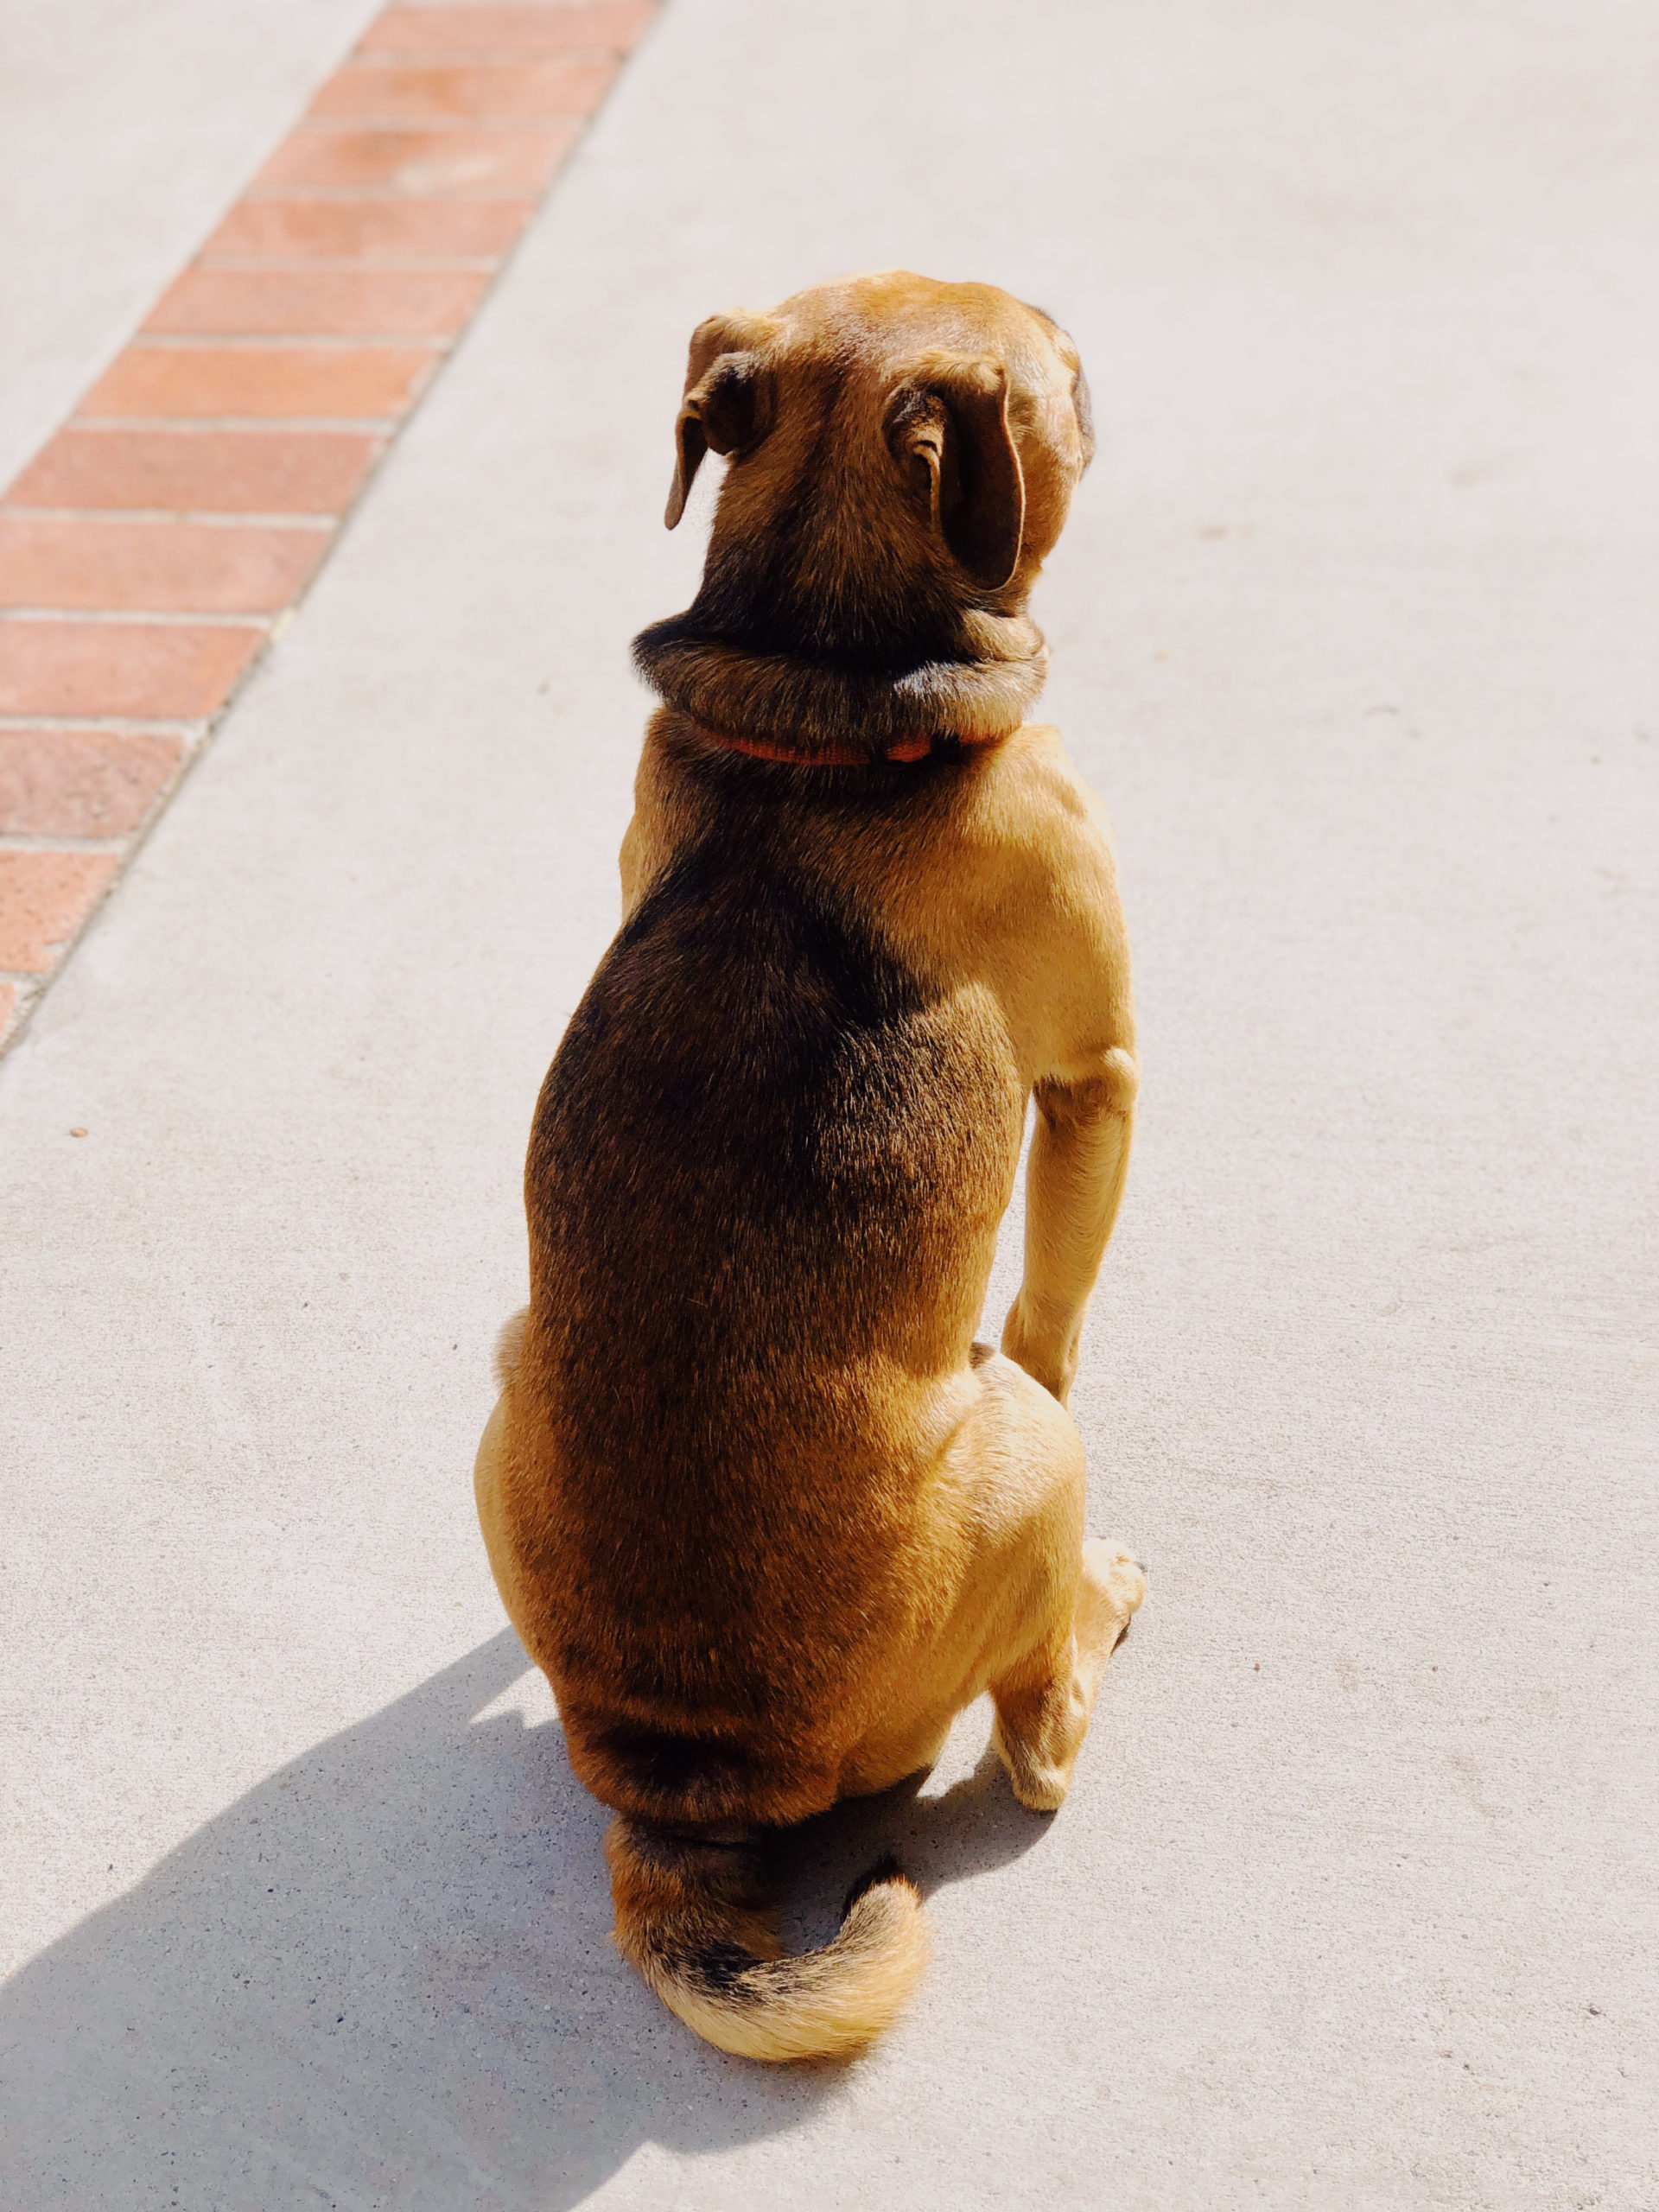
[(732, 687)]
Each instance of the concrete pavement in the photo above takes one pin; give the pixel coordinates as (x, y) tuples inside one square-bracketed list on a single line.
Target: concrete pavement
[(1353, 1905)]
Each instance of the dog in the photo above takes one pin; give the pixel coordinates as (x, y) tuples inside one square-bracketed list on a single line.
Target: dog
[(756, 1501)]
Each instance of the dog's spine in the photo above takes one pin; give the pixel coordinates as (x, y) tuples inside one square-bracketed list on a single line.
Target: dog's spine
[(690, 1916)]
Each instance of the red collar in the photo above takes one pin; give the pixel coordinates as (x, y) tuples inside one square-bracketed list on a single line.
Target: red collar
[(837, 756)]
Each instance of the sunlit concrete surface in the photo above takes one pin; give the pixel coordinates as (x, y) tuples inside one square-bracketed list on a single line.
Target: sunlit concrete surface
[(1352, 1906), (126, 126)]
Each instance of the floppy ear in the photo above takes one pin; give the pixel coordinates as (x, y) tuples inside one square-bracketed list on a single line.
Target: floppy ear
[(950, 419), (724, 408)]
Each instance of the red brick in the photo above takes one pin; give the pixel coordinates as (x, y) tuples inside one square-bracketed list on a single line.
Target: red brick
[(203, 472), (8, 1009), (154, 671), (44, 899), (260, 380), (344, 230), (483, 29), (481, 163), (161, 567), (525, 91), (82, 783), (337, 302)]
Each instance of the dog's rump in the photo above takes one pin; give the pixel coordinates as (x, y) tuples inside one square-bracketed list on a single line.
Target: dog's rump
[(721, 1727), (685, 1780)]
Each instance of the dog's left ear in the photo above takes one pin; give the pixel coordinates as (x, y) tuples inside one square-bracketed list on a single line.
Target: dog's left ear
[(726, 405), (949, 422)]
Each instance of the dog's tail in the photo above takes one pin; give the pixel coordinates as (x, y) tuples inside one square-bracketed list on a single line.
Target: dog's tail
[(690, 1915)]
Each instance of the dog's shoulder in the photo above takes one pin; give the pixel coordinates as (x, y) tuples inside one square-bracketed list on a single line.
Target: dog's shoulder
[(1014, 827), (1031, 804), (1014, 883)]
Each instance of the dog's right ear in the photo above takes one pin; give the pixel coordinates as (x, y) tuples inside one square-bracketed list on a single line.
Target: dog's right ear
[(948, 422), (726, 407)]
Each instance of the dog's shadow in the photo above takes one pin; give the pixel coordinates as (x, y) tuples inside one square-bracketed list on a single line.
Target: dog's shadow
[(383, 1977), (944, 1835)]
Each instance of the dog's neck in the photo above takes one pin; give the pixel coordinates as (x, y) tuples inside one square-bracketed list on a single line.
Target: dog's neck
[(837, 706)]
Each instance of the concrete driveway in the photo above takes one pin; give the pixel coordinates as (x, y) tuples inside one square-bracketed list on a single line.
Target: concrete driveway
[(1353, 1905)]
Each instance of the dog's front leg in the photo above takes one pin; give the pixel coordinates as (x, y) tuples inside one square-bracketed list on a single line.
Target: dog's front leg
[(1079, 1156)]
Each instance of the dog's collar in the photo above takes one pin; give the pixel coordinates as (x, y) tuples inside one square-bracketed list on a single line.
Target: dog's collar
[(924, 746)]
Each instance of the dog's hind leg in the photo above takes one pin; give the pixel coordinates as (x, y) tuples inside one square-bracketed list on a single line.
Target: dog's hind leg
[(1042, 1706), (1036, 1614), (1065, 1604)]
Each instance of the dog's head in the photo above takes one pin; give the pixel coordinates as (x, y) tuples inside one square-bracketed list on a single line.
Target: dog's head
[(902, 453)]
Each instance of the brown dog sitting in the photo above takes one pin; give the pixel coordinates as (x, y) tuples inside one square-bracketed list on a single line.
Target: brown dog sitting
[(755, 1500)]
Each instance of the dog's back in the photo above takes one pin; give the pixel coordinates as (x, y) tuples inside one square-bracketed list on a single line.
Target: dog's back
[(764, 1185)]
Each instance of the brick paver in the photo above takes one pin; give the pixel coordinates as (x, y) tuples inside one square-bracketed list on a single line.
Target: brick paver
[(44, 897), (526, 90), (484, 30), (162, 566), (377, 382), (426, 303), (175, 672), (181, 470), (82, 783), (392, 232), (430, 163), (264, 385)]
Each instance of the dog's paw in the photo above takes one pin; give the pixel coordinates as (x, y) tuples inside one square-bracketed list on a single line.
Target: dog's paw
[(1114, 1587), (1038, 1785)]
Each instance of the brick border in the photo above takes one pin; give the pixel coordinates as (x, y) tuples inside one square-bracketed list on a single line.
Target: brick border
[(151, 548)]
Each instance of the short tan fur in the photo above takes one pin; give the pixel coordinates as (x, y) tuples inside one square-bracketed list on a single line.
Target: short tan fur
[(755, 1499)]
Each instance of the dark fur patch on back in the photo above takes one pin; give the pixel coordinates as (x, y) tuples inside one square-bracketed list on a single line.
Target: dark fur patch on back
[(761, 1132), (756, 1127)]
